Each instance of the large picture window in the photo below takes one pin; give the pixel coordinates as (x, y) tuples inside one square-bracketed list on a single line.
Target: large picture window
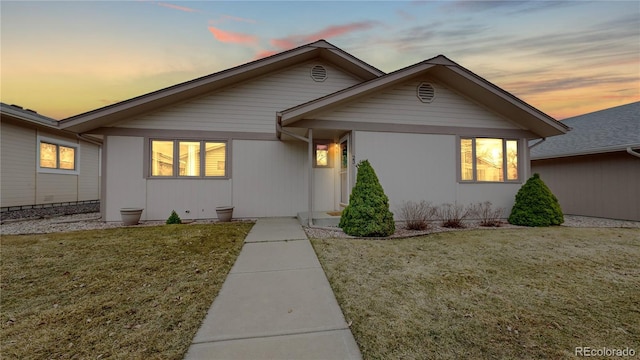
[(488, 160), (57, 156), (188, 158)]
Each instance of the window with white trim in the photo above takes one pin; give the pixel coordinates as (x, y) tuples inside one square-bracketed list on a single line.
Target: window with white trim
[(488, 160), (56, 156), (188, 158)]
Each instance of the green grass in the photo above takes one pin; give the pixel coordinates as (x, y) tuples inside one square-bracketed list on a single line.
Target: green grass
[(534, 293), (134, 293)]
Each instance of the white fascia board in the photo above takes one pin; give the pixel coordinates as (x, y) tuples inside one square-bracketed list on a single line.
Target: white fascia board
[(358, 62), (23, 115), (510, 99)]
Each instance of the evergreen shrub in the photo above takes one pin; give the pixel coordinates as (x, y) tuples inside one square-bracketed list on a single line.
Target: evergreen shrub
[(368, 211), (536, 205), (174, 218)]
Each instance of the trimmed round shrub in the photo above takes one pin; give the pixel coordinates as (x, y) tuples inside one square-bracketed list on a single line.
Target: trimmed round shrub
[(536, 205), (368, 211)]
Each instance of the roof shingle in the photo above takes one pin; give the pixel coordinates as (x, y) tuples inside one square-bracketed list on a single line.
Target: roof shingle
[(602, 131)]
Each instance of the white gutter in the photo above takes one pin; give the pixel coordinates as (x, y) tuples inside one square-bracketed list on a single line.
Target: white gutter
[(83, 138), (631, 152), (287, 132)]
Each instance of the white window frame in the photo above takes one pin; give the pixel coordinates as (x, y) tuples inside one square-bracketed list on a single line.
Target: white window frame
[(176, 151), (58, 142), (474, 179)]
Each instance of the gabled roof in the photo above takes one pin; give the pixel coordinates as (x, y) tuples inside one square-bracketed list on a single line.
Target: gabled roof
[(457, 77), (28, 116), (180, 92), (608, 130)]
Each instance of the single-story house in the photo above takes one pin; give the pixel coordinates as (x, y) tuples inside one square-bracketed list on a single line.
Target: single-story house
[(282, 135), (44, 166), (594, 169)]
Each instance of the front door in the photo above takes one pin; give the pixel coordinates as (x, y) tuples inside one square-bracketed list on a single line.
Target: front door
[(345, 156)]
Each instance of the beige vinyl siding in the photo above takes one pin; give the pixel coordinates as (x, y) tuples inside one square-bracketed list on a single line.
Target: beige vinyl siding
[(126, 188), (415, 167), (18, 167), (410, 167), (23, 185), (324, 189), (89, 178), (55, 188), (602, 185), (270, 178), (400, 105), (249, 106), (501, 195), (191, 199)]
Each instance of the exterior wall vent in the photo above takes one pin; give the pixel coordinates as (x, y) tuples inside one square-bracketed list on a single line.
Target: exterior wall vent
[(426, 92), (319, 73)]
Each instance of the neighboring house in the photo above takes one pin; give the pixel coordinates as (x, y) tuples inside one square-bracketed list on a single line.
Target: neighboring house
[(43, 166), (594, 169), (282, 135)]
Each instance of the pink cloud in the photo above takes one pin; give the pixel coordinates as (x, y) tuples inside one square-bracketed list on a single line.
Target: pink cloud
[(232, 37), (326, 33), (264, 54), (176, 7)]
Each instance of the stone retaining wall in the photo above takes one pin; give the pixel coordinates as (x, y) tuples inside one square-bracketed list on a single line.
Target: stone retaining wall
[(49, 210)]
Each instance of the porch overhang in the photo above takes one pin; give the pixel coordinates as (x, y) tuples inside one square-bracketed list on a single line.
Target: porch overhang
[(535, 123)]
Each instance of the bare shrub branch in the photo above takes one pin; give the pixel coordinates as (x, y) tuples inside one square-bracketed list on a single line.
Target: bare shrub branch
[(486, 214), (417, 215), (453, 215)]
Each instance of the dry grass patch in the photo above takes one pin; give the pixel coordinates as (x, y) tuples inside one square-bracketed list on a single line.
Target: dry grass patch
[(516, 293), (135, 293)]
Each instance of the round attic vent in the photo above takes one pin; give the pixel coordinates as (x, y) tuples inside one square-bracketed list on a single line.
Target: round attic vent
[(318, 73), (426, 92)]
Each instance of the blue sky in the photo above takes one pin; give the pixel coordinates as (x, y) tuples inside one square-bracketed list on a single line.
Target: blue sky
[(564, 57)]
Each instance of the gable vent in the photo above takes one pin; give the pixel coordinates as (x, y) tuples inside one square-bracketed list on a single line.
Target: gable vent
[(319, 73), (426, 92)]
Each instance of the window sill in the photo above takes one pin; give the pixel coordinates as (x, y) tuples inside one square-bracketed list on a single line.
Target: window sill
[(489, 182), (188, 178), (58, 171)]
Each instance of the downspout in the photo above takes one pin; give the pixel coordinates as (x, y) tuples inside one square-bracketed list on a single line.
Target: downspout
[(631, 152), (309, 141), (538, 143), (83, 138), (310, 159)]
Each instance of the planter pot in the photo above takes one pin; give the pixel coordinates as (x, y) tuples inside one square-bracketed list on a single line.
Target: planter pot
[(224, 213), (130, 216)]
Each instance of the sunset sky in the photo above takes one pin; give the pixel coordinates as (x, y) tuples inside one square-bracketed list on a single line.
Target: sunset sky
[(566, 58)]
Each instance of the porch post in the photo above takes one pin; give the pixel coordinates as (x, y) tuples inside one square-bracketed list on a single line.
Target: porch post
[(310, 156)]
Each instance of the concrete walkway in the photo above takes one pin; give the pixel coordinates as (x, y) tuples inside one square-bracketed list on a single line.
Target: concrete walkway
[(276, 303)]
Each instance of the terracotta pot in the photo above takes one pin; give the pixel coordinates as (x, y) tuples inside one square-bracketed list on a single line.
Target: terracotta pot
[(224, 213), (130, 216)]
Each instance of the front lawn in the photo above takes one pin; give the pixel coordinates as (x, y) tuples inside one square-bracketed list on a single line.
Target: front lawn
[(535, 293), (134, 293)]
